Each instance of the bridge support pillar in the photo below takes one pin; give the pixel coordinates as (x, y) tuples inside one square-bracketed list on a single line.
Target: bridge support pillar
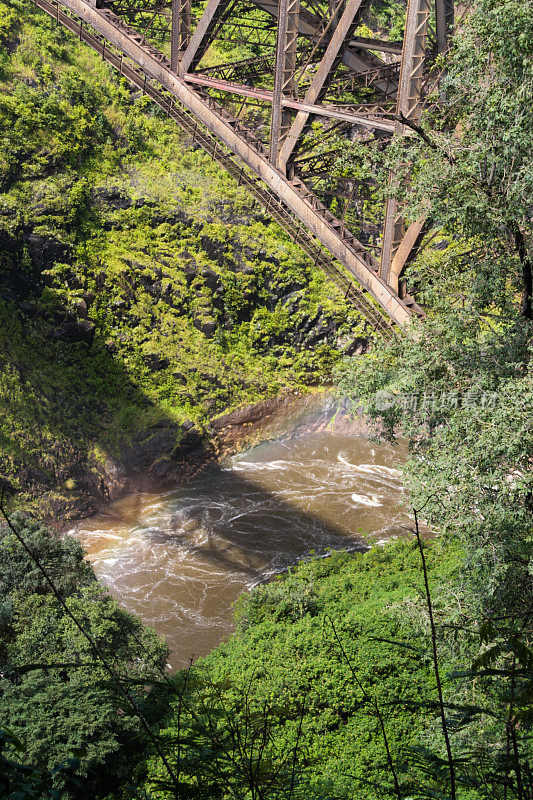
[(408, 106), (180, 31), (326, 70), (285, 65), (444, 14)]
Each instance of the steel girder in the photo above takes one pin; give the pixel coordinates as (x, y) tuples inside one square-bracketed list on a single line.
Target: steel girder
[(408, 106), (204, 33), (284, 73), (181, 31), (325, 72), (305, 64), (444, 14)]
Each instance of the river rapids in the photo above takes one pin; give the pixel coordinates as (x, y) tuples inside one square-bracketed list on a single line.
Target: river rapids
[(179, 559)]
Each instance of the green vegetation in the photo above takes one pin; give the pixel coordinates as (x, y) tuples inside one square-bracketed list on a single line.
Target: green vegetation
[(141, 286), (64, 716), (459, 387), (139, 282), (288, 675)]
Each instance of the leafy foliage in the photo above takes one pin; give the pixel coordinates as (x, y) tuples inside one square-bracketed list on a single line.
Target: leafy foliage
[(278, 705), (192, 298), (471, 161), (459, 387), (63, 558), (54, 695), (20, 782), (140, 283)]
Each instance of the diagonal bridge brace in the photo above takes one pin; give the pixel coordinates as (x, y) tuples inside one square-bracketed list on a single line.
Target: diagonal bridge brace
[(357, 56), (325, 72), (214, 14), (292, 196)]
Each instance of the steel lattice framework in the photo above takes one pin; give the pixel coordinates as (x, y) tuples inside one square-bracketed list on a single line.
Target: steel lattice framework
[(276, 91)]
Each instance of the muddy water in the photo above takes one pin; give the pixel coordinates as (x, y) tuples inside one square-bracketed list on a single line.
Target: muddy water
[(180, 559)]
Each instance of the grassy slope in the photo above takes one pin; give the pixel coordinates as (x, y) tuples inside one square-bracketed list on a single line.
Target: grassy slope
[(285, 654), (139, 282)]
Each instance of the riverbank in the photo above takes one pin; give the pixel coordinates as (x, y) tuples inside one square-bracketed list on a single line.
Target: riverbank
[(325, 660), (167, 454)]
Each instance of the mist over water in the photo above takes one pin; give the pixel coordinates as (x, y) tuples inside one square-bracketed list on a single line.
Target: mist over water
[(180, 559)]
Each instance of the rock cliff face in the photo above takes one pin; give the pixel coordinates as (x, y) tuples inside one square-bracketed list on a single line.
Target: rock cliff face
[(142, 291)]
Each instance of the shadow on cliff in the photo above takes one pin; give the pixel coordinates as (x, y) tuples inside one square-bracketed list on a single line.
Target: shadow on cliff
[(73, 424)]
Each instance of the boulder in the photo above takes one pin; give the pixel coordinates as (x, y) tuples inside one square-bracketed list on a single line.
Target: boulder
[(113, 197), (89, 298), (244, 415), (45, 251), (80, 307), (190, 271), (323, 330), (82, 330), (205, 325), (214, 248), (190, 441), (211, 279), (155, 361), (29, 309), (357, 346)]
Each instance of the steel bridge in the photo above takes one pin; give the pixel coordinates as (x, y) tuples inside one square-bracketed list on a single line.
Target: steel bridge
[(278, 92)]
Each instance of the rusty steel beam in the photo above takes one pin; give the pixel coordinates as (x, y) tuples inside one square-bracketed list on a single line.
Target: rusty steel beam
[(308, 24), (382, 46), (412, 237), (325, 71), (248, 68), (311, 26), (284, 71), (279, 212), (408, 106), (203, 34), (180, 31), (267, 96), (293, 195), (444, 18)]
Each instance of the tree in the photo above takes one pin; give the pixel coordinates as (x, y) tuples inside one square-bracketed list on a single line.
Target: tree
[(20, 782), (54, 694), (472, 173), (64, 557), (459, 385)]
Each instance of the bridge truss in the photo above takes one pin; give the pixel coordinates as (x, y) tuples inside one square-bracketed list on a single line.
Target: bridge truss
[(277, 91)]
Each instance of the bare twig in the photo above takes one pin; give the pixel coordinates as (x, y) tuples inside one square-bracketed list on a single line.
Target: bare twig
[(295, 753), (180, 707), (510, 729), (373, 702), (451, 767)]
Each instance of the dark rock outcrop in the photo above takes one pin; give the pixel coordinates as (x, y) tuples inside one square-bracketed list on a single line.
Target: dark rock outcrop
[(155, 362), (205, 325), (113, 197), (82, 330), (44, 251)]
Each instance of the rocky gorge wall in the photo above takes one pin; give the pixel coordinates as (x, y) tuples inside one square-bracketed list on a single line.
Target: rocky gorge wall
[(142, 292)]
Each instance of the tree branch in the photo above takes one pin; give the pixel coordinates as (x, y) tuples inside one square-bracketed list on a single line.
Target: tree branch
[(451, 766)]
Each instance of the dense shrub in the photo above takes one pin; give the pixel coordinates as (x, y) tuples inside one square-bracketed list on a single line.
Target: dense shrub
[(283, 680), (55, 695)]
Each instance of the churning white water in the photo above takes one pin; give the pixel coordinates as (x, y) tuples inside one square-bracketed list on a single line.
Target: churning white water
[(181, 558)]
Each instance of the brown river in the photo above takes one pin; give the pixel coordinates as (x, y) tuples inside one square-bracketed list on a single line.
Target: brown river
[(180, 558)]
